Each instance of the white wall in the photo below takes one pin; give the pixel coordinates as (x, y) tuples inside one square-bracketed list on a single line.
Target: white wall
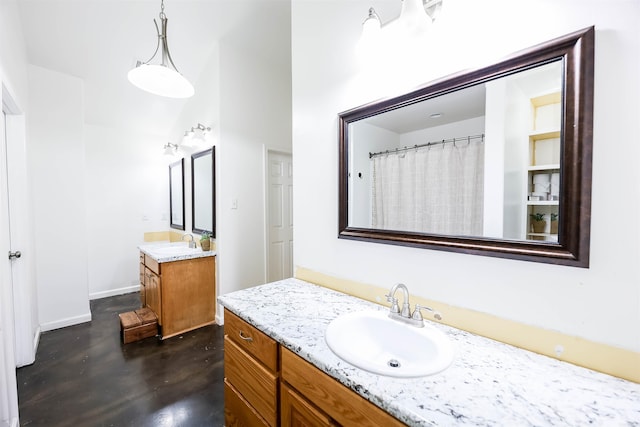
[(255, 115), (57, 161), (127, 194), (601, 303), (203, 108), (13, 53), (365, 139)]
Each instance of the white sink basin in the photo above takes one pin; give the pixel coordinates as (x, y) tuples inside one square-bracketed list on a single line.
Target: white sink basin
[(372, 341)]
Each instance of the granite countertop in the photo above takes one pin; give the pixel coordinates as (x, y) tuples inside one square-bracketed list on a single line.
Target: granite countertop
[(169, 252), (488, 383)]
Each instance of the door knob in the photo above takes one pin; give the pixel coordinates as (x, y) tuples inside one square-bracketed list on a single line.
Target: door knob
[(13, 255)]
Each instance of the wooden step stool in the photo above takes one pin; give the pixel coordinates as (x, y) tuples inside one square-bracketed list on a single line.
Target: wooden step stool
[(138, 324)]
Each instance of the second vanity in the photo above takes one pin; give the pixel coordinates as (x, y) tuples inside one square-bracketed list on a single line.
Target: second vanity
[(178, 284), (280, 371)]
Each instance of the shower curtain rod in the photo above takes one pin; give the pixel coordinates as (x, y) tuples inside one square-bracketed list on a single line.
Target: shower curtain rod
[(428, 144)]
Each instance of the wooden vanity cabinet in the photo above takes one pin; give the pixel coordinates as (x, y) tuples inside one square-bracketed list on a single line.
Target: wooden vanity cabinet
[(251, 375), (181, 293), (268, 385)]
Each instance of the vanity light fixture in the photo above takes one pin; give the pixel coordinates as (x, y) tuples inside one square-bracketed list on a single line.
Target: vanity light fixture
[(196, 134), (200, 127), (415, 17), (170, 149), (162, 79)]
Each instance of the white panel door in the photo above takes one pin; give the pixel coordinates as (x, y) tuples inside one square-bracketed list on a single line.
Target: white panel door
[(19, 229), (8, 385), (279, 216)]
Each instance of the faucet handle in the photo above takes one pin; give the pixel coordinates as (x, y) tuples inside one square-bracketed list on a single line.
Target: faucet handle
[(417, 314), (395, 308)]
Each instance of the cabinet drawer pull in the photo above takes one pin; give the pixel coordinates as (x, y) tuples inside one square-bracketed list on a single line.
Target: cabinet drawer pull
[(246, 338)]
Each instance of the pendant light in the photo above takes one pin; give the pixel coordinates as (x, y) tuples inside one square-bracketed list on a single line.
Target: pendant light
[(162, 79)]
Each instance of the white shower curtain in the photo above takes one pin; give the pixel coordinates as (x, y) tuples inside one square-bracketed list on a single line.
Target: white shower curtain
[(437, 190)]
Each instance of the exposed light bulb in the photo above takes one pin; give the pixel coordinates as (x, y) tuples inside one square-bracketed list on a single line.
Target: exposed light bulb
[(413, 18), (371, 25), (368, 46)]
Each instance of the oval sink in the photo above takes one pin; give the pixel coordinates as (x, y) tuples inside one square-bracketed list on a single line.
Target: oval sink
[(372, 341)]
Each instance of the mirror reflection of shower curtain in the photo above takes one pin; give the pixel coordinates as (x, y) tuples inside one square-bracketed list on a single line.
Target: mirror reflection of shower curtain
[(436, 190)]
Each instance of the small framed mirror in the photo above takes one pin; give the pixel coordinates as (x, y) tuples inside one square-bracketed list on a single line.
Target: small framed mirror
[(494, 161), (176, 195), (203, 191)]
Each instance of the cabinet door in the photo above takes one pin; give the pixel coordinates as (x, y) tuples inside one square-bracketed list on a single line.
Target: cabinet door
[(188, 295), (152, 293), (295, 411), (143, 301)]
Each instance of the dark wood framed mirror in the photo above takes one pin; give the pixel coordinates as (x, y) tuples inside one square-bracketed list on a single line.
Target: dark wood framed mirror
[(203, 191), (176, 195), (494, 161)]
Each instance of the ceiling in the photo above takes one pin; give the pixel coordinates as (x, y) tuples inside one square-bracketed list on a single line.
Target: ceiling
[(465, 103), (453, 107), (99, 41)]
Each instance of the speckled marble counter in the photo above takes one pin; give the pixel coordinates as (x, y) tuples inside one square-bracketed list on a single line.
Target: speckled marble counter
[(488, 383), (177, 251)]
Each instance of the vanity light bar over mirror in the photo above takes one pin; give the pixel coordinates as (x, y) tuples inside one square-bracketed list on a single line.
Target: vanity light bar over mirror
[(514, 183)]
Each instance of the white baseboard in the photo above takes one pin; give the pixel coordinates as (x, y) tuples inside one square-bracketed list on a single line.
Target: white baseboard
[(219, 314), (114, 292), (219, 319), (62, 323)]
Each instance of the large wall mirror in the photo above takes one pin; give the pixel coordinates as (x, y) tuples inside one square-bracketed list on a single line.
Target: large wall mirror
[(203, 191), (176, 195), (494, 162)]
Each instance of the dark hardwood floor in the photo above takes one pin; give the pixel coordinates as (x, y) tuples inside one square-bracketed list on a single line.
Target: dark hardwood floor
[(84, 376)]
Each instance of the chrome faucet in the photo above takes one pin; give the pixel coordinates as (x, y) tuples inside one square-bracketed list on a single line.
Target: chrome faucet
[(404, 314), (192, 243), (395, 308)]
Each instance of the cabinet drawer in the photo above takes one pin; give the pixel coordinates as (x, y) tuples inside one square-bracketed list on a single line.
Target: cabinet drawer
[(339, 402), (251, 340), (152, 264), (237, 411), (254, 382)]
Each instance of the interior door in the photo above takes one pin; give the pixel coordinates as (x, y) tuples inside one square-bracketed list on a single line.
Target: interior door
[(8, 385), (25, 321), (279, 216)]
